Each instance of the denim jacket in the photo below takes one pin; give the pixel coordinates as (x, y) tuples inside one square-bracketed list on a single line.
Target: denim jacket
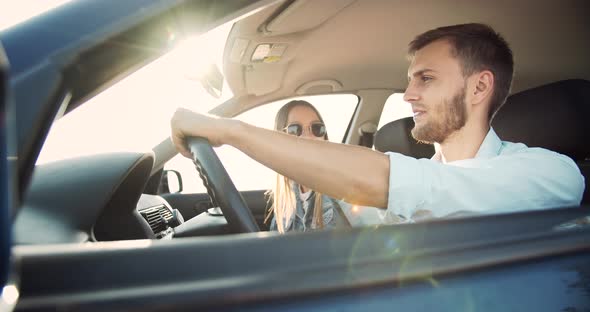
[(302, 220)]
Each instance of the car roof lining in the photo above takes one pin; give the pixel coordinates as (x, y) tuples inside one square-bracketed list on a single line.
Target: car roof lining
[(376, 55)]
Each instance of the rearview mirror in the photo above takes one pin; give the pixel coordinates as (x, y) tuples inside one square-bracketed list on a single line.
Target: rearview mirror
[(210, 77), (212, 80)]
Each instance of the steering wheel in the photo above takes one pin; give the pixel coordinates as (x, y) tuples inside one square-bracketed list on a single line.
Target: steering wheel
[(220, 187)]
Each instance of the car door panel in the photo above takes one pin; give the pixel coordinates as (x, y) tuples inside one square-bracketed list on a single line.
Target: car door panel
[(455, 263)]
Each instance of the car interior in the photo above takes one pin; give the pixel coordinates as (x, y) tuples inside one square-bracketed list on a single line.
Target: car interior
[(273, 54), (214, 246), (555, 99)]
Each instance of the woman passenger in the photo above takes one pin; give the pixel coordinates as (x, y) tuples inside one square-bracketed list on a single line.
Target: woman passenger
[(293, 205)]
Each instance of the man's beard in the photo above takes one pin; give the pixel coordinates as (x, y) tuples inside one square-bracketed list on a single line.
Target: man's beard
[(443, 120)]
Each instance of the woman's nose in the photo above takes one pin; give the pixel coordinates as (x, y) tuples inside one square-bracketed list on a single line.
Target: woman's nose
[(307, 132)]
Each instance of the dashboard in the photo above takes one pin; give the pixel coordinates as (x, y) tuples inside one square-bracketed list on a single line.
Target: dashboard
[(89, 198), (100, 198)]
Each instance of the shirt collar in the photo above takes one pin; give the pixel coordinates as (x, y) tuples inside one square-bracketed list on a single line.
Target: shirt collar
[(490, 147)]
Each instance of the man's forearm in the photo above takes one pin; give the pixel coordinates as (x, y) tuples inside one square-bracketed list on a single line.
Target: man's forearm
[(355, 174)]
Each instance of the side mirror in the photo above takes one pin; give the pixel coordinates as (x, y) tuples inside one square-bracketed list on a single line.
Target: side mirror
[(171, 182)]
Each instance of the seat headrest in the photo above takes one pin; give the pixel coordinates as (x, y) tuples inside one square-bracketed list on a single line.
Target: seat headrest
[(554, 116), (396, 137)]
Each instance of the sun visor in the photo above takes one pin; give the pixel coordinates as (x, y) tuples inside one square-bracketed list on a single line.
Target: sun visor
[(264, 78), (302, 15)]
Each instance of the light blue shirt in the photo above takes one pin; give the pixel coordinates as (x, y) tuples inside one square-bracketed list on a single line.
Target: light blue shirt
[(503, 177)]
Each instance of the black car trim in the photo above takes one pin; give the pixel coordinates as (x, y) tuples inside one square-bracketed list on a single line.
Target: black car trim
[(229, 270)]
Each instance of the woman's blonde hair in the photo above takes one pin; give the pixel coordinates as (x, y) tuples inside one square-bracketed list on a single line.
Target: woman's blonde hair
[(284, 203)]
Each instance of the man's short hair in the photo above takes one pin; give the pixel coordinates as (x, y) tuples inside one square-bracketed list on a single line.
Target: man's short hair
[(478, 47)]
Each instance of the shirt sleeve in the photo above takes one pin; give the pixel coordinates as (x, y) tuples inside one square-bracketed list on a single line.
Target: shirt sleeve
[(530, 179), (360, 215)]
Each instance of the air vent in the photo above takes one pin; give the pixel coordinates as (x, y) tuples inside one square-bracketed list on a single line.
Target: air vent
[(155, 219), (165, 213)]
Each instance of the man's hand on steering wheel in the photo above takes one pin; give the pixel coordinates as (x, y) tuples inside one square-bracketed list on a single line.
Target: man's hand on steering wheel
[(186, 123)]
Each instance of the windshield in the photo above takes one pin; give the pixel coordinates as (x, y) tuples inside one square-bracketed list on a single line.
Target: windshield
[(134, 114)]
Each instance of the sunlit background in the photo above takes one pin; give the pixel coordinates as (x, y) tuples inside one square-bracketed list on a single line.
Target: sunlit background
[(134, 114)]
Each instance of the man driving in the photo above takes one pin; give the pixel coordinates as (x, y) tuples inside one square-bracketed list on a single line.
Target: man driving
[(458, 78)]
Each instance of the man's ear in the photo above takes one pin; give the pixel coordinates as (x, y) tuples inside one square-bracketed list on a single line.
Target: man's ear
[(483, 87)]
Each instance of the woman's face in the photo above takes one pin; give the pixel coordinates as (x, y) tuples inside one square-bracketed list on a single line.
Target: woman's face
[(308, 120)]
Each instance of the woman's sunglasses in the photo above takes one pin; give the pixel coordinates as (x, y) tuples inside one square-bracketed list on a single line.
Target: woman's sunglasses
[(318, 129)]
